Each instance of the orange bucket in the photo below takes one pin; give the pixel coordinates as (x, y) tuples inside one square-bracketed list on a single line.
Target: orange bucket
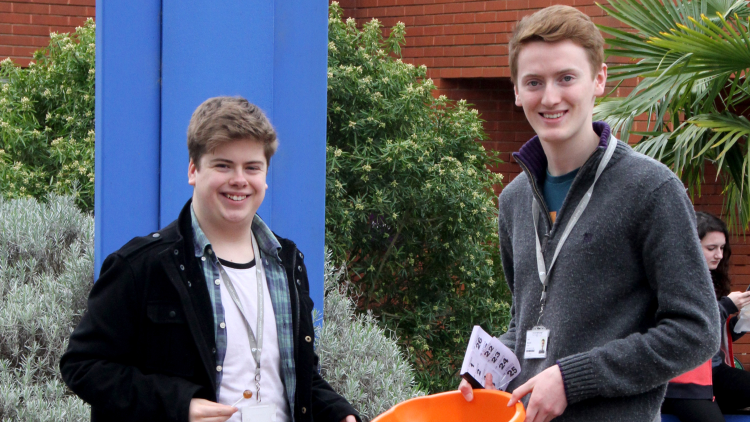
[(487, 406)]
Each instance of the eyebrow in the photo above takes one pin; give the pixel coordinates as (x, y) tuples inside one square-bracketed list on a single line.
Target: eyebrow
[(226, 160), (563, 71)]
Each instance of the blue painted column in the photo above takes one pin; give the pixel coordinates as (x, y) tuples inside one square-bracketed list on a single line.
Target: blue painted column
[(270, 52), (128, 92)]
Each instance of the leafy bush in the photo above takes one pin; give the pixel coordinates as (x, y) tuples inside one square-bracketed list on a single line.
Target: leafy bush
[(46, 272), (409, 201), (47, 121), (357, 357)]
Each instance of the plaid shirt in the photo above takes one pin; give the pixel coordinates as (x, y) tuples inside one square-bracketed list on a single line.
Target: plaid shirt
[(277, 288)]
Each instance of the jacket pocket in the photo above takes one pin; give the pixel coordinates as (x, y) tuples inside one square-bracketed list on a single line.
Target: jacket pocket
[(169, 345)]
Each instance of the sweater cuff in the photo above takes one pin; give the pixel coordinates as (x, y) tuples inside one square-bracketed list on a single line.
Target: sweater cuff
[(578, 377), (728, 305)]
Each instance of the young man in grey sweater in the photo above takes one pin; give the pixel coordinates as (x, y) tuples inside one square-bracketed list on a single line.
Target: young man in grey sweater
[(611, 295)]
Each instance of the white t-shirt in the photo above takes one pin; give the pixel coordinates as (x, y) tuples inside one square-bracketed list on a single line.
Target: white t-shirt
[(239, 364)]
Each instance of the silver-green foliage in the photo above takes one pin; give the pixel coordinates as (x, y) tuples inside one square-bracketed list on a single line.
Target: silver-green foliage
[(357, 357), (46, 272)]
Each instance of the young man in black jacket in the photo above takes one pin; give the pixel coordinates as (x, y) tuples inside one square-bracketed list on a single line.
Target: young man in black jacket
[(186, 321)]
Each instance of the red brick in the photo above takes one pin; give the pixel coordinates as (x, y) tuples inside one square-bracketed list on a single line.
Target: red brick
[(464, 40), (424, 20), (464, 61), (434, 30), (473, 28), (471, 73), (14, 18), (453, 51), (6, 28), (393, 11), (464, 18), (413, 10), (496, 5), (434, 9), (49, 20), (5, 51), (485, 17), (517, 4), (444, 40), (31, 30), (485, 39), (509, 15), (450, 73), (454, 8), (33, 9), (444, 61), (433, 52), (67, 10), (539, 4), (365, 3), (474, 7), (444, 19), (24, 51)]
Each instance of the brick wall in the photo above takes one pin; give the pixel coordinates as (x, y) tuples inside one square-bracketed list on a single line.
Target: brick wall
[(25, 24)]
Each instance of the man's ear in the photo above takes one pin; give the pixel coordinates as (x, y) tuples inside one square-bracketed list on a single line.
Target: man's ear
[(518, 99), (192, 169), (600, 79)]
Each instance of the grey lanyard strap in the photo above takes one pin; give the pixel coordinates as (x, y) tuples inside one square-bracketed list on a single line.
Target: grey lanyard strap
[(541, 267), (255, 344)]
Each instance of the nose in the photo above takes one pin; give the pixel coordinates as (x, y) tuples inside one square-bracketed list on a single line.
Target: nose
[(238, 178), (551, 96), (719, 254)]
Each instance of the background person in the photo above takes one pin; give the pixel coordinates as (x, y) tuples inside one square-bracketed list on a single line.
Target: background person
[(731, 385)]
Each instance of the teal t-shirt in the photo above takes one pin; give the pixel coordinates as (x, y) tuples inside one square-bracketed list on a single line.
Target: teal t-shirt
[(555, 189)]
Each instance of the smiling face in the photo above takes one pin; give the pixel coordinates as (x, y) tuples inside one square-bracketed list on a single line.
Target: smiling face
[(556, 89), (713, 248), (230, 184)]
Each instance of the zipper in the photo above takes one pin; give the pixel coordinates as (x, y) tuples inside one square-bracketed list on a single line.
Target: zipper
[(296, 299), (539, 199)]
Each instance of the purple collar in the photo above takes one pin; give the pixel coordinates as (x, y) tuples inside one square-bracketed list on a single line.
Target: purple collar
[(532, 155)]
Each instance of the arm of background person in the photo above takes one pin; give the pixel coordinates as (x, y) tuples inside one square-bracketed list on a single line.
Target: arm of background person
[(97, 365)]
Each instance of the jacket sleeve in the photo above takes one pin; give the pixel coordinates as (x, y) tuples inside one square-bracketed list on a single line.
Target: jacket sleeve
[(506, 255), (685, 332), (726, 308), (98, 364), (328, 405)]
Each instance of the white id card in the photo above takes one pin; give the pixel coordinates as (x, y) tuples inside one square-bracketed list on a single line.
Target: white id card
[(264, 413), (537, 339)]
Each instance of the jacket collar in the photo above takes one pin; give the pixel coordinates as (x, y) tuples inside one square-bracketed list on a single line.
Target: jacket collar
[(531, 155), (267, 241)]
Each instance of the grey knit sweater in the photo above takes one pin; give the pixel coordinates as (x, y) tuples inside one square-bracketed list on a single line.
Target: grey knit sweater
[(630, 301)]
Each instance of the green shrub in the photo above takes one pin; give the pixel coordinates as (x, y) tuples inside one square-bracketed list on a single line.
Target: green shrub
[(46, 272), (409, 201), (357, 357), (47, 121)]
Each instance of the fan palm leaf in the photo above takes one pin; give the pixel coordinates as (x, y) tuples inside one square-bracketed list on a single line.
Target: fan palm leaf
[(691, 59)]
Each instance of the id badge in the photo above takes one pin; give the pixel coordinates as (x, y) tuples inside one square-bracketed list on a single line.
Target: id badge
[(264, 413), (537, 340)]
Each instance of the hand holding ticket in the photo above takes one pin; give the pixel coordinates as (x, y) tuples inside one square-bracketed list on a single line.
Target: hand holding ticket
[(487, 355)]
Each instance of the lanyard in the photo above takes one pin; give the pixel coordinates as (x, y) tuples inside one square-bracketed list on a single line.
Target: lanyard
[(541, 267), (255, 345)]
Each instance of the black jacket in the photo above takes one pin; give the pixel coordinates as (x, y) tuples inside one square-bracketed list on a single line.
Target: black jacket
[(146, 345)]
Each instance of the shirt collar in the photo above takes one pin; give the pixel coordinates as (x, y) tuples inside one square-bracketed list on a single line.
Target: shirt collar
[(267, 241)]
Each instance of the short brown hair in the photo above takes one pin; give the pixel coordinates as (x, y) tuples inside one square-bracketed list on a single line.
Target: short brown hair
[(223, 119), (557, 23)]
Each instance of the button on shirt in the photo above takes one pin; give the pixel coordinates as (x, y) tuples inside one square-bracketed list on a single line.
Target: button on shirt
[(277, 287)]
